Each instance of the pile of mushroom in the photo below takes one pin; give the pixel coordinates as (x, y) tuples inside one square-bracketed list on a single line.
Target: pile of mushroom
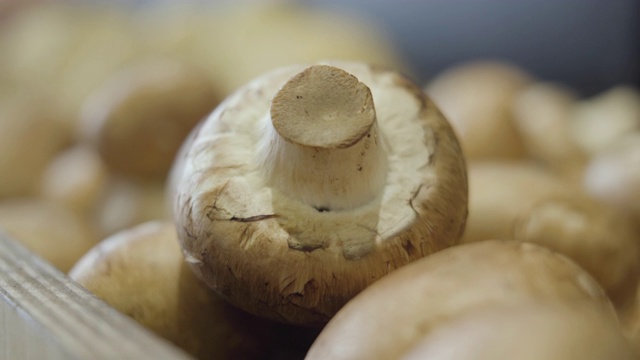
[(320, 204), (573, 189)]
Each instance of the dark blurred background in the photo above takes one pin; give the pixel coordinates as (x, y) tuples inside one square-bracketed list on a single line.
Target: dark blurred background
[(590, 45)]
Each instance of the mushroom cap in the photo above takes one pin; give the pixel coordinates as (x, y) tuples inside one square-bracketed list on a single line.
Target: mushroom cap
[(595, 236), (141, 272), (527, 332), (414, 301), (477, 98), (138, 119), (280, 258)]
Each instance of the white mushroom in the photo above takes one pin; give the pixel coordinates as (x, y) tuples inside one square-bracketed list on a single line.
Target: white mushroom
[(76, 177), (142, 273), (393, 315), (601, 121), (138, 120), (542, 115), (477, 98), (29, 138), (527, 332), (613, 176), (292, 206), (499, 192), (595, 236)]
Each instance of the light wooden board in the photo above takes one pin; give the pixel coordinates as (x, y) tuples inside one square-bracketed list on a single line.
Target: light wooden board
[(45, 315)]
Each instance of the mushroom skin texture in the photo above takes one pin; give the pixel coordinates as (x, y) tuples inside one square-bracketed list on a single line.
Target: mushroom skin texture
[(49, 229), (138, 120), (477, 98), (251, 233), (595, 236), (414, 301), (499, 192), (527, 332), (141, 272)]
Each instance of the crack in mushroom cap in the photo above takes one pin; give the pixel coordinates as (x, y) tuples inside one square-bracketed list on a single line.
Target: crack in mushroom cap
[(276, 256)]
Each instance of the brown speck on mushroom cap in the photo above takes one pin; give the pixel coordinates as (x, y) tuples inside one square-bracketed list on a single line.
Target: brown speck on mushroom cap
[(248, 212)]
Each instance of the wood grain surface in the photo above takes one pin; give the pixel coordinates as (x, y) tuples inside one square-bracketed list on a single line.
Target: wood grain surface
[(45, 315)]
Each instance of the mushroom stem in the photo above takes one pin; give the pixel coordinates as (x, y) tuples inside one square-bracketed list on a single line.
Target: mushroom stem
[(321, 145)]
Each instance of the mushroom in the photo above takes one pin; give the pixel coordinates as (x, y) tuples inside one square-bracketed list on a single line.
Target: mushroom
[(613, 176), (125, 202), (413, 302), (526, 332), (500, 191), (592, 234), (310, 183), (76, 177), (601, 121), (141, 272), (29, 138), (630, 318), (477, 98), (542, 116), (50, 230), (138, 120)]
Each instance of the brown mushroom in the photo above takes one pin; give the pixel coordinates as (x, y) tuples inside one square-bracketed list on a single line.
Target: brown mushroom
[(598, 238), (310, 183), (29, 138), (414, 301), (500, 191), (141, 272), (51, 230), (126, 202), (527, 332), (613, 176), (601, 121), (138, 120), (477, 98), (630, 318), (542, 116), (76, 177)]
